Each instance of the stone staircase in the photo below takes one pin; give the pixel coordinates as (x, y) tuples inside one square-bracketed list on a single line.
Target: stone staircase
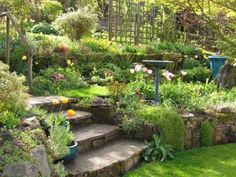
[(102, 151)]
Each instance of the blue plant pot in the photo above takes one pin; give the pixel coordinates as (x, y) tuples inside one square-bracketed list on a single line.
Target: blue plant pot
[(73, 152), (216, 62)]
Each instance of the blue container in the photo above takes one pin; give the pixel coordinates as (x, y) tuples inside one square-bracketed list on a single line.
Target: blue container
[(71, 156), (216, 62)]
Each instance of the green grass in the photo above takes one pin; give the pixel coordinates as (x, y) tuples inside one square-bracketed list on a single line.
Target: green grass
[(217, 161), (86, 92)]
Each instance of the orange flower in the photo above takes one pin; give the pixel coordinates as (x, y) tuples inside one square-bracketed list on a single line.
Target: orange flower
[(64, 100), (71, 113), (55, 102)]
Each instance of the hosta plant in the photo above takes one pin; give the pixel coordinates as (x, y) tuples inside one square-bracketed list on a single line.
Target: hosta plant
[(157, 150)]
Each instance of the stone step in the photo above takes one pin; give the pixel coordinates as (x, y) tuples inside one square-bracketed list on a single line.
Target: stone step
[(94, 136), (45, 102), (80, 119), (110, 161)]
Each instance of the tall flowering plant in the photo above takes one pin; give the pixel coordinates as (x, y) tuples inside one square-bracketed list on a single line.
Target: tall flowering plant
[(141, 87)]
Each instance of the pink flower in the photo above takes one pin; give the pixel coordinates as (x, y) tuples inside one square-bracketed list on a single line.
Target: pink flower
[(168, 75), (149, 71), (132, 71), (138, 68), (145, 69)]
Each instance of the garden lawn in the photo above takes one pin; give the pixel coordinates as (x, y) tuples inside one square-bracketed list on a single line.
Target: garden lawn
[(89, 92), (217, 161)]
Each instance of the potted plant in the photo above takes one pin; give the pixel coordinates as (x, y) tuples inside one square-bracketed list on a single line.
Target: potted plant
[(62, 144)]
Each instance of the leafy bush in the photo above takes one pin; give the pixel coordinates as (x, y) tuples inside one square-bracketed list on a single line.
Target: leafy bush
[(54, 80), (190, 63), (170, 123), (157, 150), (75, 24), (197, 74), (44, 28), (207, 133), (51, 9), (99, 46), (12, 97)]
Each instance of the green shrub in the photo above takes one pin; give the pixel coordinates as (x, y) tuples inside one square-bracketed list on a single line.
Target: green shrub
[(75, 24), (178, 94), (197, 74), (190, 63), (12, 105), (207, 133), (170, 123), (53, 80), (44, 28), (97, 45), (51, 9)]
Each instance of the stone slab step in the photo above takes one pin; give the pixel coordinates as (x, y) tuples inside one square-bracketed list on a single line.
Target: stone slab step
[(45, 102), (110, 161), (94, 136), (80, 119)]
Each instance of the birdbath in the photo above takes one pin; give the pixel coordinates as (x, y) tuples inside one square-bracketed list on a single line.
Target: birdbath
[(157, 64)]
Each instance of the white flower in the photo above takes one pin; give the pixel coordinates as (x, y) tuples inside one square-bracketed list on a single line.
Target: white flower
[(132, 71), (145, 69), (196, 56), (138, 68), (168, 75), (149, 71), (184, 73)]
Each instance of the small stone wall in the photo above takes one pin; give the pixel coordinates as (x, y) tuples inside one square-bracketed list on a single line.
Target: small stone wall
[(224, 129)]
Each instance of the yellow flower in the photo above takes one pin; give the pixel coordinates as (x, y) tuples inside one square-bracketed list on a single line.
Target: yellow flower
[(64, 100), (71, 113), (24, 58), (55, 102), (69, 63)]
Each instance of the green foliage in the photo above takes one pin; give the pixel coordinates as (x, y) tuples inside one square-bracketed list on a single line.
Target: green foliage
[(12, 97), (191, 96), (129, 125), (60, 170), (116, 90), (157, 150), (44, 28), (51, 9), (9, 119), (97, 45), (193, 163), (57, 119), (54, 80), (75, 24), (170, 123), (60, 138), (11, 154), (200, 74), (190, 63), (207, 133)]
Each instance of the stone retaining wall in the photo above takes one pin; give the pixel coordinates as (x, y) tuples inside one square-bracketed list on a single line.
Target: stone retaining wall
[(224, 129)]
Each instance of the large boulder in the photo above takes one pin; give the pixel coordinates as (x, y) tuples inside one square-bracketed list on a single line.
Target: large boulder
[(39, 158), (25, 169), (227, 76), (30, 123)]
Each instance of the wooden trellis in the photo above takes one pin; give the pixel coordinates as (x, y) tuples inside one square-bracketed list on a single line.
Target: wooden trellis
[(131, 22), (11, 22)]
